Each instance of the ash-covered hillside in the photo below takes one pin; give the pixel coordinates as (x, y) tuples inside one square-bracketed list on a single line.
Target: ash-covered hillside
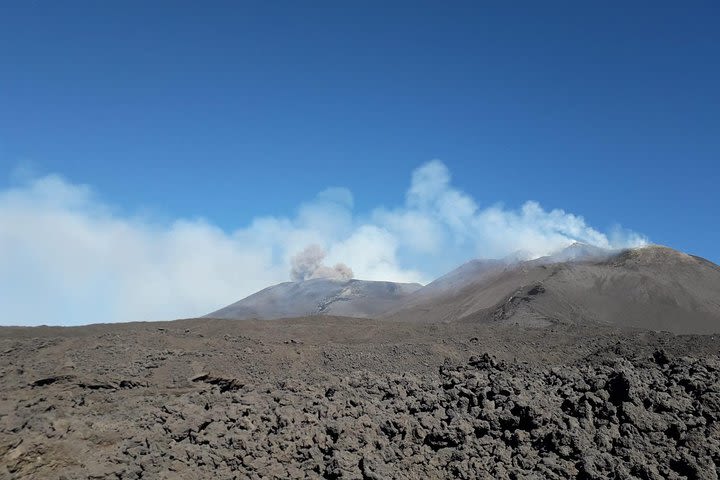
[(320, 296), (651, 287)]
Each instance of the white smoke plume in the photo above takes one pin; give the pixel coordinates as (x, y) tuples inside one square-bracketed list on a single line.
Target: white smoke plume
[(308, 264), (90, 263)]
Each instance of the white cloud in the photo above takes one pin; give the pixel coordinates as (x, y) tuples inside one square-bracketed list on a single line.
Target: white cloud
[(69, 258)]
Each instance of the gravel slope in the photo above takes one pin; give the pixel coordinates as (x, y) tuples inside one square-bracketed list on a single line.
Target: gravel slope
[(320, 296), (654, 287)]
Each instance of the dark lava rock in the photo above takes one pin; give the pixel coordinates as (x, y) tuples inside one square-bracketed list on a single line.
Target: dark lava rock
[(626, 419)]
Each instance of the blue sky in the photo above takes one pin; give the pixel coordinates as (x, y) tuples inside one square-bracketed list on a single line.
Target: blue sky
[(233, 111)]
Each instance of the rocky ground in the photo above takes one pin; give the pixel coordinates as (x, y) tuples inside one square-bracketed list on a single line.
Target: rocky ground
[(341, 398)]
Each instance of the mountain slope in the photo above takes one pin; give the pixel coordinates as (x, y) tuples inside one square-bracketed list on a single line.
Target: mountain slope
[(653, 287), (477, 273), (352, 298)]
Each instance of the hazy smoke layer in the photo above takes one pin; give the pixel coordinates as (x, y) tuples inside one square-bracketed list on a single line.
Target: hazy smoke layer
[(309, 264), (89, 262)]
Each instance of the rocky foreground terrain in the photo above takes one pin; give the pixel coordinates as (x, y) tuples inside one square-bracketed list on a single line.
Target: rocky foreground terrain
[(348, 398)]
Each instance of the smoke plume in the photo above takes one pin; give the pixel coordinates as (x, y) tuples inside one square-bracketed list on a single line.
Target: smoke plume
[(308, 264), (101, 264)]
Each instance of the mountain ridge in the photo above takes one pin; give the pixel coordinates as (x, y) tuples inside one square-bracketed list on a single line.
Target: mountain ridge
[(652, 287)]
